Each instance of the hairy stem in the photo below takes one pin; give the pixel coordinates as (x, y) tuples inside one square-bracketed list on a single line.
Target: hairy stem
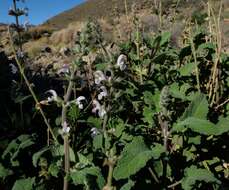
[(66, 136), (30, 87)]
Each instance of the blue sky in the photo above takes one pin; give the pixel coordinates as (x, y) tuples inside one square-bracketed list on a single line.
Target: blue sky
[(39, 10)]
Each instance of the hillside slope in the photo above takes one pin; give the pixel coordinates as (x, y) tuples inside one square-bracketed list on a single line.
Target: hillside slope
[(93, 9)]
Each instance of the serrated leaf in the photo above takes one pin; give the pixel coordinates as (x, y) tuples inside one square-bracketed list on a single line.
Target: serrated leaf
[(194, 174), (197, 108), (38, 154), (128, 185), (24, 184), (134, 157)]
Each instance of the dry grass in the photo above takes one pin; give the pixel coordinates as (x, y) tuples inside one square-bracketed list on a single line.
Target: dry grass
[(33, 48)]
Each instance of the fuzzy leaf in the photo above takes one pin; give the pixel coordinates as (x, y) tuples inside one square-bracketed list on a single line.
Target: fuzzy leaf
[(187, 69), (194, 174), (128, 185), (38, 154), (203, 126), (24, 184), (58, 150), (86, 176), (197, 108), (134, 157)]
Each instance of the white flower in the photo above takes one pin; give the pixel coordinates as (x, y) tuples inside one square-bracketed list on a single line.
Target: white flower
[(121, 62), (94, 132), (64, 70), (79, 100), (14, 69), (99, 77), (102, 112), (54, 96), (103, 93), (65, 128), (97, 108)]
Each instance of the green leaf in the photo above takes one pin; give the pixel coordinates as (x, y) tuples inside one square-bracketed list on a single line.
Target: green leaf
[(15, 146), (148, 98), (54, 169), (158, 167), (24, 184), (197, 108), (134, 157), (21, 98), (95, 122), (148, 115), (58, 150), (165, 37), (73, 112), (194, 174), (98, 142), (223, 125), (202, 126), (38, 154), (187, 69), (128, 185), (85, 177), (4, 172), (119, 128), (83, 159)]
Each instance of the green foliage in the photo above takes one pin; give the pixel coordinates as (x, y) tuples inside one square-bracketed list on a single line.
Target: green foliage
[(134, 157), (194, 174), (202, 126), (198, 107), (4, 172), (24, 184), (16, 146), (85, 177), (128, 185)]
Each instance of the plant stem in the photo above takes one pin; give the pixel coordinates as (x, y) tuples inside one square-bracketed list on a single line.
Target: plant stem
[(30, 88), (126, 10), (195, 61), (110, 175), (66, 136), (175, 184), (153, 175)]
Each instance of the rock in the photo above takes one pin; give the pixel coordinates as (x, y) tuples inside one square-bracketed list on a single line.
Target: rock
[(46, 50), (65, 51)]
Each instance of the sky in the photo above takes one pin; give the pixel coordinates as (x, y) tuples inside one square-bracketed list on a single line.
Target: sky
[(39, 10)]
